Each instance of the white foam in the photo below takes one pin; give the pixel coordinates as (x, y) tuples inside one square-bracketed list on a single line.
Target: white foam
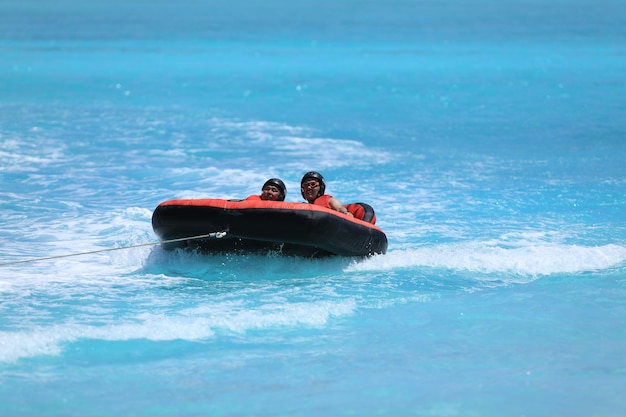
[(192, 325), (81, 249), (532, 259)]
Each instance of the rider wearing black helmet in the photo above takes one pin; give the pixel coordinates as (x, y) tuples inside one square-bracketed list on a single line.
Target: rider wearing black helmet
[(313, 187), (273, 190)]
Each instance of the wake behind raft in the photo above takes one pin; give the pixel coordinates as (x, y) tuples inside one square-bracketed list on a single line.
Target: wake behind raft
[(249, 226)]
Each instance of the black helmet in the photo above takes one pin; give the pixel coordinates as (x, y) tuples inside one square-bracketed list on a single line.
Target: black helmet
[(317, 176), (278, 183)]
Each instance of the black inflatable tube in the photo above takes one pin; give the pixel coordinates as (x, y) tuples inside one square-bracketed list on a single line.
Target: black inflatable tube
[(288, 228)]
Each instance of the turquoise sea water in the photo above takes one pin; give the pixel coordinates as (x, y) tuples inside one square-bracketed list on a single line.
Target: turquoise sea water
[(489, 137)]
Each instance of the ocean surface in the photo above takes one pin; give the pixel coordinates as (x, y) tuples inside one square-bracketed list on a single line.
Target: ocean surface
[(489, 136)]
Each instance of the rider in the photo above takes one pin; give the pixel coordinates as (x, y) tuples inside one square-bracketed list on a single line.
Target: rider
[(273, 190), (312, 188)]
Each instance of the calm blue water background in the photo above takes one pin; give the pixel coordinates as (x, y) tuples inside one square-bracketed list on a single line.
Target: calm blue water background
[(489, 136)]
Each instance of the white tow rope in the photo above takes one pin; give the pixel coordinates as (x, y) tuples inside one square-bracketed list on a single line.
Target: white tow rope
[(213, 235)]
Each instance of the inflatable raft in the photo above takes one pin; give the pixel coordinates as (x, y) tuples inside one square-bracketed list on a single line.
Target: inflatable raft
[(218, 225)]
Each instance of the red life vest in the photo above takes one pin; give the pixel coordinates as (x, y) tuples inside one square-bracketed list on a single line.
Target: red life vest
[(323, 201)]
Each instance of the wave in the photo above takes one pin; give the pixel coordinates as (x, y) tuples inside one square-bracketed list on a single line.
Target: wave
[(529, 259), (196, 324)]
